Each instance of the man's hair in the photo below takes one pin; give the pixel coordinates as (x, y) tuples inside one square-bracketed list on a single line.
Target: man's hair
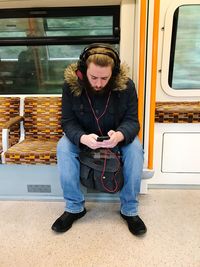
[(99, 57)]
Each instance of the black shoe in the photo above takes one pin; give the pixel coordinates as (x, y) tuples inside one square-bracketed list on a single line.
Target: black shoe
[(65, 221), (135, 224)]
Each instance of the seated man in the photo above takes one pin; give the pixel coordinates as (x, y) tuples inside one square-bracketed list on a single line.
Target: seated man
[(99, 99)]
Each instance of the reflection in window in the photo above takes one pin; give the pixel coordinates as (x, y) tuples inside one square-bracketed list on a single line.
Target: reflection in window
[(185, 48), (36, 69)]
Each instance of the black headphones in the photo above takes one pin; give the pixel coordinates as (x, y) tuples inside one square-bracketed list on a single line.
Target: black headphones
[(81, 65)]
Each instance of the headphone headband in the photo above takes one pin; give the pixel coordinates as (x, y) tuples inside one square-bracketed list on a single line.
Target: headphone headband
[(87, 52)]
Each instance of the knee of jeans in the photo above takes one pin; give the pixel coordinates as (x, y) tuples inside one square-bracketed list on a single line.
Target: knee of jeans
[(137, 146), (134, 148), (63, 144)]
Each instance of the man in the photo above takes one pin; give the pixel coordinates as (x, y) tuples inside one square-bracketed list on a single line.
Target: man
[(99, 99)]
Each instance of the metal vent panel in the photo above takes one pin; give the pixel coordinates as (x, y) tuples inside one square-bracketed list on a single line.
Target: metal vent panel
[(39, 188)]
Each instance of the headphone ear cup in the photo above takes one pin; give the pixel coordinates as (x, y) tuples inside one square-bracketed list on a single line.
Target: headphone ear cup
[(116, 69), (81, 66)]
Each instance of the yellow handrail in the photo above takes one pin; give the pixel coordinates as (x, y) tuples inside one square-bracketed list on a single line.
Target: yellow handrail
[(153, 82)]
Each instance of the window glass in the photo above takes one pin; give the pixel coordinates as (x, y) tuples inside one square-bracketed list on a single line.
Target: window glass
[(35, 69), (73, 26), (185, 49), (79, 26), (34, 51), (14, 27)]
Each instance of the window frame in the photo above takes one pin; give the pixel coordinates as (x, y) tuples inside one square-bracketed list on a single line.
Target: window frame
[(168, 51), (49, 12)]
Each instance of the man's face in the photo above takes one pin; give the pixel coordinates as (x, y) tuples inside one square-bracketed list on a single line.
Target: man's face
[(98, 76)]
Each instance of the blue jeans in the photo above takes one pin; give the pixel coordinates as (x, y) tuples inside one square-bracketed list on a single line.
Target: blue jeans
[(69, 169)]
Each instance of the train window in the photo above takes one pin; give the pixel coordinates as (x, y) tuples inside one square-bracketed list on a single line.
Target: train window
[(180, 75), (36, 45), (185, 49)]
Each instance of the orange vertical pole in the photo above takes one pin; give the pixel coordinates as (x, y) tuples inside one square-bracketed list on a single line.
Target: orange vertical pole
[(153, 81), (142, 67)]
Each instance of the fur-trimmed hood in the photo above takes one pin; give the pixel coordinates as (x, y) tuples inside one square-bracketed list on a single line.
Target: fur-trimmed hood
[(76, 88)]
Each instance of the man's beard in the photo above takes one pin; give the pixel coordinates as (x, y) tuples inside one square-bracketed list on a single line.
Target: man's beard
[(109, 86)]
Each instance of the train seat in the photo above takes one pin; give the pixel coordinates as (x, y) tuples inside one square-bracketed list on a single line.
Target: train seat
[(42, 130), (42, 126), (9, 110), (177, 112)]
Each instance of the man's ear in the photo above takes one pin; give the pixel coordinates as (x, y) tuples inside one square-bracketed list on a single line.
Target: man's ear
[(79, 74)]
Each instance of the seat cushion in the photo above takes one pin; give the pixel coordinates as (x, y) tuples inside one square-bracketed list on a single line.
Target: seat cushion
[(32, 152)]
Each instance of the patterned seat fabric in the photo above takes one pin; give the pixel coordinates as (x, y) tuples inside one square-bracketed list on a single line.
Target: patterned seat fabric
[(42, 124), (177, 112), (32, 152), (9, 108)]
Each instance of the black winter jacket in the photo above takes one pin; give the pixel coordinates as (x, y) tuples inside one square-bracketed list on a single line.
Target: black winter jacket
[(121, 114)]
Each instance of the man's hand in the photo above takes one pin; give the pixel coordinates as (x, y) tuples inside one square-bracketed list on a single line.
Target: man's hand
[(90, 140), (115, 138)]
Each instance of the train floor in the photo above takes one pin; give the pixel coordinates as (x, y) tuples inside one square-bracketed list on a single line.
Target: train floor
[(101, 238)]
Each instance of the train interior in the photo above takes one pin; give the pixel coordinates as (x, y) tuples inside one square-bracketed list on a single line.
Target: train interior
[(160, 42)]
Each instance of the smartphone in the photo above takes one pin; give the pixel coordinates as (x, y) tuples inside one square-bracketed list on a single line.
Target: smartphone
[(102, 138)]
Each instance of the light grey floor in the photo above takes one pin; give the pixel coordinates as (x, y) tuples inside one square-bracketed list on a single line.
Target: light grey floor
[(101, 238)]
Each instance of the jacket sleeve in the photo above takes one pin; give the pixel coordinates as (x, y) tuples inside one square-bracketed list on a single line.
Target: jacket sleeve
[(129, 125), (69, 122)]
